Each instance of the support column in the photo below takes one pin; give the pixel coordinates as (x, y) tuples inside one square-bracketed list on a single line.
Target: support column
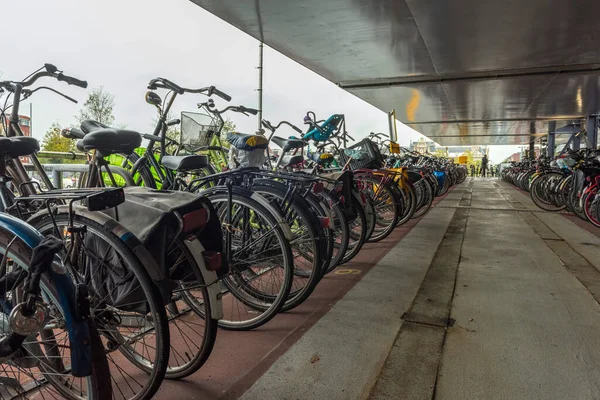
[(532, 130), (591, 128), (551, 139), (576, 142), (57, 179), (531, 152)]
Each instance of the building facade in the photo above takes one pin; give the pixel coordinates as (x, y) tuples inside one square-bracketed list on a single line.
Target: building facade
[(423, 146)]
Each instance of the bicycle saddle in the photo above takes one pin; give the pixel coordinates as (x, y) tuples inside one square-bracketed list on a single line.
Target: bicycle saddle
[(97, 136), (288, 161), (185, 163), (245, 141), (321, 159), (110, 141), (288, 144), (89, 125), (18, 146)]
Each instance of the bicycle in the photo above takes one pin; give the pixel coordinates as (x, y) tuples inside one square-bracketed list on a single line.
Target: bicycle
[(98, 252)]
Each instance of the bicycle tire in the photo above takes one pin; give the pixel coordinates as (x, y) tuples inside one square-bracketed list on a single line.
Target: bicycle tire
[(358, 230), (305, 279), (428, 201), (341, 234), (154, 369), (99, 382), (194, 357), (256, 302)]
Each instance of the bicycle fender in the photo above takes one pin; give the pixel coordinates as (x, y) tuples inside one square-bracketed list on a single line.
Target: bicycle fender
[(81, 354), (111, 225), (210, 278)]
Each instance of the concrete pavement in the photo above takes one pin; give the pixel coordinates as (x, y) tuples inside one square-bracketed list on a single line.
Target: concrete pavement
[(486, 297)]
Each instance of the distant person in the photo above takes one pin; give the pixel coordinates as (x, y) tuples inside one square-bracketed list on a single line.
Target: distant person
[(492, 170), (472, 170), (484, 163)]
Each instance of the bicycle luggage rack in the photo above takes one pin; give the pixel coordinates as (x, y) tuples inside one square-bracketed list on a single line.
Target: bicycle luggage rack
[(96, 199)]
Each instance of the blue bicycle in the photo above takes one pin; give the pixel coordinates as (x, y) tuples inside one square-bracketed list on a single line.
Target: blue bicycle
[(48, 343)]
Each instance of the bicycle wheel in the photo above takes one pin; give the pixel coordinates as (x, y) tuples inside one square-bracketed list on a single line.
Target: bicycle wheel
[(307, 248), (141, 173), (41, 368), (193, 330), (318, 208), (261, 263), (408, 201), (358, 229), (540, 192), (426, 190), (127, 306), (341, 230), (590, 207), (371, 216), (385, 204)]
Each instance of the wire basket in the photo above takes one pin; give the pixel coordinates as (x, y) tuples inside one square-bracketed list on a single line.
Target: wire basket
[(197, 129), (364, 154)]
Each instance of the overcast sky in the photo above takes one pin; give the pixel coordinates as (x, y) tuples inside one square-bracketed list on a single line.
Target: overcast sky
[(121, 45)]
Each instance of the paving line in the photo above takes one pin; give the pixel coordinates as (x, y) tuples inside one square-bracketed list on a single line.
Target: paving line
[(411, 368)]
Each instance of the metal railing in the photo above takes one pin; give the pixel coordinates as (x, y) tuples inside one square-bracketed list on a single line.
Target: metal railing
[(56, 170)]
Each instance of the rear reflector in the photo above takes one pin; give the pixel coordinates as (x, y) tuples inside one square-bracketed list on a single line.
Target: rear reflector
[(213, 260), (318, 187), (195, 220), (324, 222)]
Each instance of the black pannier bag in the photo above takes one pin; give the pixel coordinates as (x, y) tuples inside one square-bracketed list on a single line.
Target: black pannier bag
[(155, 217)]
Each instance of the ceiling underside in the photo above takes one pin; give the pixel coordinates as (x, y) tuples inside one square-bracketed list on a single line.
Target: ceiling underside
[(461, 72)]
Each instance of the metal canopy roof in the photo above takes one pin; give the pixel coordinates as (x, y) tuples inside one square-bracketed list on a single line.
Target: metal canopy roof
[(460, 72)]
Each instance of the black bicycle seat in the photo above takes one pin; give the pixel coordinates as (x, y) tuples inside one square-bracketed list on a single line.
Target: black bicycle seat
[(73, 133), (185, 163), (109, 141), (89, 125), (18, 146), (289, 161), (288, 144)]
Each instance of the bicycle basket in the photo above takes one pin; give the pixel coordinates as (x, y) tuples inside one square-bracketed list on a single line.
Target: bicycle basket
[(364, 154), (197, 129)]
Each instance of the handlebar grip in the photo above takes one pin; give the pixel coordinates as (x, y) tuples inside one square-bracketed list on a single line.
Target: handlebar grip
[(222, 95), (72, 81), (248, 110), (297, 129)]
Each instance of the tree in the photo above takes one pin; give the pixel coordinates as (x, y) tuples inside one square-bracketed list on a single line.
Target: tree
[(54, 141), (99, 107)]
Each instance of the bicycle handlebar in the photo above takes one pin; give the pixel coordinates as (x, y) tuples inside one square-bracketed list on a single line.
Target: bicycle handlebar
[(167, 84), (71, 81), (222, 95), (26, 93), (51, 71), (243, 109), (272, 128)]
